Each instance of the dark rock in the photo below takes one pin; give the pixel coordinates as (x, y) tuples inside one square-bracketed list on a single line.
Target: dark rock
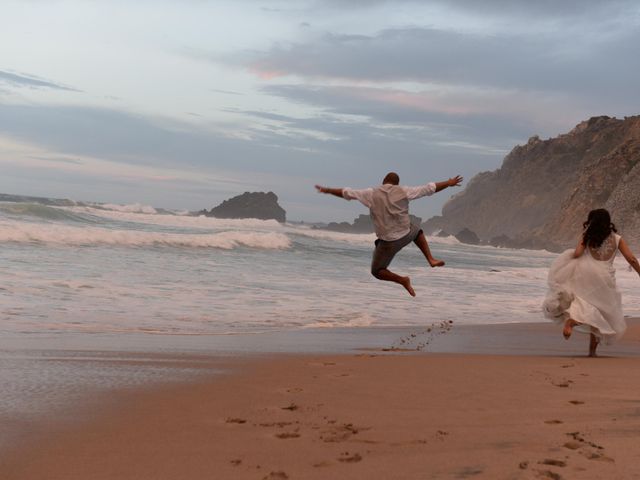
[(362, 224), (467, 236), (260, 205), (501, 241), (434, 225)]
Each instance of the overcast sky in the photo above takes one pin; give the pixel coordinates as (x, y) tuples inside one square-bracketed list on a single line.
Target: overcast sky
[(181, 104)]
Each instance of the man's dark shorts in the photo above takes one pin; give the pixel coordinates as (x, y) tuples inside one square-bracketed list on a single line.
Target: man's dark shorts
[(385, 251)]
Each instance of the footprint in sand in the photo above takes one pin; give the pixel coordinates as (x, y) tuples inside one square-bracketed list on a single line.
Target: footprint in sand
[(572, 445), (276, 424), (585, 446), (338, 433), (279, 475), (553, 422), (598, 456), (549, 474), (562, 384), (553, 462), (469, 472), (235, 420), (347, 457)]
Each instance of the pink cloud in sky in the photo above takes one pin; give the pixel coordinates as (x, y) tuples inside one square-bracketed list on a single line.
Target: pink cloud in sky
[(264, 73)]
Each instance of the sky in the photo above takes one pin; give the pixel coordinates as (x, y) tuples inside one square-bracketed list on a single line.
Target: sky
[(182, 104)]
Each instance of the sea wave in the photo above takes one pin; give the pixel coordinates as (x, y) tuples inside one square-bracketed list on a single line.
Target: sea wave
[(22, 232), (357, 238), (178, 219), (131, 208), (41, 212), (319, 234)]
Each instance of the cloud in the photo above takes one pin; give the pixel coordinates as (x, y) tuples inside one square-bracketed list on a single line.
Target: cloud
[(517, 8), (489, 117), (130, 139), (545, 62), (24, 80), (283, 153), (541, 8)]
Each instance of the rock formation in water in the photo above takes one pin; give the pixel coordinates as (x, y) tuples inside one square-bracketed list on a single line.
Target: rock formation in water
[(544, 189), (362, 224), (260, 205)]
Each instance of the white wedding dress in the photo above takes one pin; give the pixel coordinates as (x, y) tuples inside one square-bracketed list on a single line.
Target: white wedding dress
[(584, 289)]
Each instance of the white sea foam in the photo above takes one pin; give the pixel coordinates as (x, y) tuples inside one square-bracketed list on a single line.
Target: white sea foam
[(84, 236), (352, 238), (180, 220), (132, 208), (357, 238)]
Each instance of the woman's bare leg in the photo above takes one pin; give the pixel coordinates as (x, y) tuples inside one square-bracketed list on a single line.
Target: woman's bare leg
[(593, 345), (568, 328), (421, 242)]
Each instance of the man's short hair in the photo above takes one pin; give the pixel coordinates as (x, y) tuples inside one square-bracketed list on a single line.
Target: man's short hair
[(392, 177)]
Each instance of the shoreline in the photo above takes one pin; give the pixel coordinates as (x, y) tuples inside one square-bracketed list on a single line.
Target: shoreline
[(461, 392)]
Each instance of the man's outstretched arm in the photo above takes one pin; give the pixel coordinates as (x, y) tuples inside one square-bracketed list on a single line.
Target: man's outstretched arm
[(452, 182), (338, 192)]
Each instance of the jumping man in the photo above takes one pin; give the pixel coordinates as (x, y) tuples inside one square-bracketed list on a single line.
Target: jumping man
[(389, 208)]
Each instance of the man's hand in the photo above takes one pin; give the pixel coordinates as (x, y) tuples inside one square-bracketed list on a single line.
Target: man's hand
[(452, 182), (332, 191), (455, 181)]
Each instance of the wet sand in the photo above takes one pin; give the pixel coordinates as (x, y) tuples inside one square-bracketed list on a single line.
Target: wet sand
[(367, 414)]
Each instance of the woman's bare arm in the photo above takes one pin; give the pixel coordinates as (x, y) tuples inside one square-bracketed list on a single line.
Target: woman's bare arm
[(628, 255), (579, 250)]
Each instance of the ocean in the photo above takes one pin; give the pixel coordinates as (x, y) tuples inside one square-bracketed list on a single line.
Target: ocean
[(101, 297), (134, 269)]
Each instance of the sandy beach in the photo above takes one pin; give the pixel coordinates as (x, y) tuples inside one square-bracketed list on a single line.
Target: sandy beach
[(364, 415)]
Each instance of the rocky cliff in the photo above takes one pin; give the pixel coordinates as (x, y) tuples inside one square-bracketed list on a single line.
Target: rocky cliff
[(544, 189), (261, 205)]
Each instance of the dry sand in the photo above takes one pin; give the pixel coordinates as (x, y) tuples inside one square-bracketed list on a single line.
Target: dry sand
[(363, 416)]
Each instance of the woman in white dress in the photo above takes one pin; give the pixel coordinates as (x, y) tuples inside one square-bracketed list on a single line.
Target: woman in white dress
[(582, 285)]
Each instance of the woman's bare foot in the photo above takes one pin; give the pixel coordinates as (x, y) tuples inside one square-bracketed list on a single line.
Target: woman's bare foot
[(593, 345), (406, 283), (435, 263), (568, 328)]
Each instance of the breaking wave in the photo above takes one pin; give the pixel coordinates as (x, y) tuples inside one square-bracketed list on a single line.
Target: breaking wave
[(86, 236), (39, 211), (175, 220), (132, 208)]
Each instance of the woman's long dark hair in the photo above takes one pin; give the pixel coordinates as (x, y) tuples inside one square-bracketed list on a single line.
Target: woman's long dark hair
[(597, 228)]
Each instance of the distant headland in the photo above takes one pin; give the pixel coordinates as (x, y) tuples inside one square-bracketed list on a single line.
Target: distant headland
[(544, 189), (260, 205)]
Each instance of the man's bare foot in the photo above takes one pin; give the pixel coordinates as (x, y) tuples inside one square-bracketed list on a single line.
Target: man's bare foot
[(436, 263), (406, 283)]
